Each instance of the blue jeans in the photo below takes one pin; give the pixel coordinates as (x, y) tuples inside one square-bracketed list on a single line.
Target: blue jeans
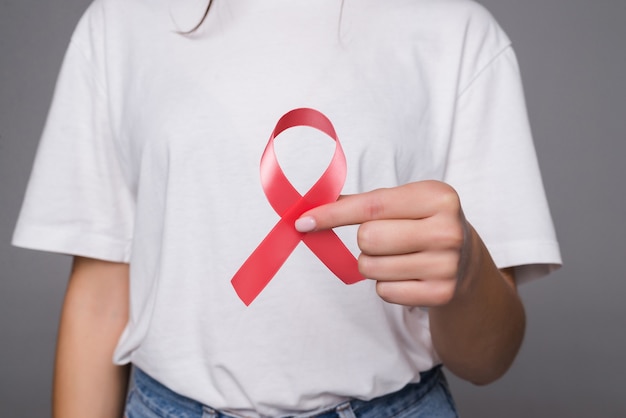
[(430, 398)]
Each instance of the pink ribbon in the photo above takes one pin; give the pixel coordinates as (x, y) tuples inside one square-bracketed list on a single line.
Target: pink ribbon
[(265, 261)]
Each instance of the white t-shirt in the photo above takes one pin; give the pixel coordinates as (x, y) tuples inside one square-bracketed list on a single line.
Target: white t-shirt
[(151, 156)]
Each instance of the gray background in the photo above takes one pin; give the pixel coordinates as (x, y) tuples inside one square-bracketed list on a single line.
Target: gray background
[(573, 59)]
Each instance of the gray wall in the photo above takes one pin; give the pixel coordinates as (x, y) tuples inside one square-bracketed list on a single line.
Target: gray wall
[(573, 58)]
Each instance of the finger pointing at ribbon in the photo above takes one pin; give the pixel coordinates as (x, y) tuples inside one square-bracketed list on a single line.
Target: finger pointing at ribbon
[(410, 201)]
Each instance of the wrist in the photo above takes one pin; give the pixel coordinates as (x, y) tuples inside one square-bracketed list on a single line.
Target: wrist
[(471, 263)]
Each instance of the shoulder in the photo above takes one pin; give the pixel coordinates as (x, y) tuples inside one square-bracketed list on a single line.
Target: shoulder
[(125, 6), (113, 24), (461, 29), (463, 22), (128, 14), (463, 18), (467, 29), (445, 11)]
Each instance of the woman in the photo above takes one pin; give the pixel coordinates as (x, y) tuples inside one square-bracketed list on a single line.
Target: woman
[(148, 174)]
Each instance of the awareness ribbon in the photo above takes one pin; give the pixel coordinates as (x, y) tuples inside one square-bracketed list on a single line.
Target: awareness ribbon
[(265, 261)]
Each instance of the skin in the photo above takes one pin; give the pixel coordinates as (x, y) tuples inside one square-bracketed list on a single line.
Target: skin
[(95, 311), (414, 241), (418, 246)]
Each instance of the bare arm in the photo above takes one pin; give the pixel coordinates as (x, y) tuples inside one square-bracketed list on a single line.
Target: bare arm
[(479, 332), (417, 245), (95, 311)]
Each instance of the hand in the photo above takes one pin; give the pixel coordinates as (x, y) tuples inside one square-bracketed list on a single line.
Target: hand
[(414, 239)]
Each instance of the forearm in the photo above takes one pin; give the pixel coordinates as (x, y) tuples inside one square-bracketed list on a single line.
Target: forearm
[(478, 333), (86, 382)]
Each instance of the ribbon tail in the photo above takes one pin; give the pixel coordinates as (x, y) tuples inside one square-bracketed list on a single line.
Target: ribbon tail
[(334, 254), (261, 266)]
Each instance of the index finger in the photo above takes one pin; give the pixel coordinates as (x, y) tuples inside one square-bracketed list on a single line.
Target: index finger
[(410, 201)]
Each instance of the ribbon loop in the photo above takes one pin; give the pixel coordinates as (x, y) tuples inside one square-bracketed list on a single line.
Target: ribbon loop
[(265, 261)]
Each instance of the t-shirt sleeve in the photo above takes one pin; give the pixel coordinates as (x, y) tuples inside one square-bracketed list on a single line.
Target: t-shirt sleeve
[(493, 166), (78, 200)]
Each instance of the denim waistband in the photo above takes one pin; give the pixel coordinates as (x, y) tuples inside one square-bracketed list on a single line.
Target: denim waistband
[(165, 402)]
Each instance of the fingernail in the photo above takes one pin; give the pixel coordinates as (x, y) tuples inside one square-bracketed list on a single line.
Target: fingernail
[(305, 224)]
